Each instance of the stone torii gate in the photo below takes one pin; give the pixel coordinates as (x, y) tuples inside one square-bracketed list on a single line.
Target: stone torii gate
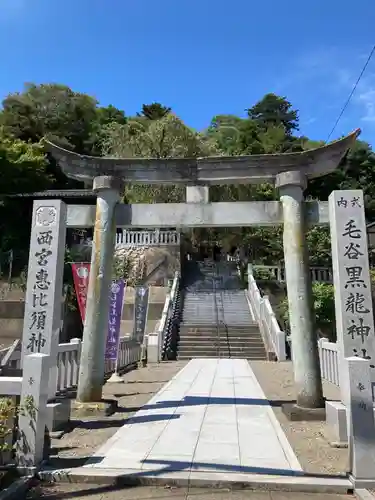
[(289, 172)]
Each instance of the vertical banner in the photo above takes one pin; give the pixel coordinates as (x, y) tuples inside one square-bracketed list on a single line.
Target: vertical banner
[(81, 273), (140, 312), (116, 300)]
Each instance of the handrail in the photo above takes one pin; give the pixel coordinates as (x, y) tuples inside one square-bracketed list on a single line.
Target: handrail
[(131, 238), (4, 361), (216, 312), (277, 273), (273, 336), (329, 361), (159, 338)]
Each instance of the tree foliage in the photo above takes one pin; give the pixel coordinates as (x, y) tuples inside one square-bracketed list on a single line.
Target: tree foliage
[(324, 310), (167, 137), (23, 168), (274, 111), (76, 121), (54, 110), (154, 111)]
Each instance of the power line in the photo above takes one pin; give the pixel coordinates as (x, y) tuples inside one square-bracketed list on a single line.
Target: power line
[(351, 93)]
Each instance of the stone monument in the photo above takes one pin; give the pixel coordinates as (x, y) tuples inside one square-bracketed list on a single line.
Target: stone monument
[(44, 290), (353, 298)]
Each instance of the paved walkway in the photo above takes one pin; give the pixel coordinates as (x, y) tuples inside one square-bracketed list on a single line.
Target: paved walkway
[(211, 417)]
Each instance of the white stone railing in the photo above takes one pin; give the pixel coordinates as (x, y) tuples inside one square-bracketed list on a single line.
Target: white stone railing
[(272, 334), (277, 273), (129, 238), (275, 338), (329, 362), (68, 359)]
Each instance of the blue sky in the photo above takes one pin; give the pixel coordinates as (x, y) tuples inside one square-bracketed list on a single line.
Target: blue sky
[(202, 58)]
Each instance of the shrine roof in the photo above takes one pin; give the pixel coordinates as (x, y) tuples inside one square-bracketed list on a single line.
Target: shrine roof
[(210, 170)]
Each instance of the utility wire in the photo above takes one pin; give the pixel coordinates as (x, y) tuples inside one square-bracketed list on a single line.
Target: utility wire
[(351, 93)]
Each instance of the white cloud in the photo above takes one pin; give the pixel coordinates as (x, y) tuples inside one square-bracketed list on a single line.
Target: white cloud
[(367, 98), (332, 73)]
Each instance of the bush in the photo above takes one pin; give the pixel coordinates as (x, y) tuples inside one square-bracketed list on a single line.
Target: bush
[(324, 310), (263, 274), (8, 414)]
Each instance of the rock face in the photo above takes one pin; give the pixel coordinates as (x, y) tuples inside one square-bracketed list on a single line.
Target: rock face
[(153, 265)]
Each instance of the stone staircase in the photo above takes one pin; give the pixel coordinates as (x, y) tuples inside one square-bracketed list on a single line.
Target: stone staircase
[(216, 320), (220, 342)]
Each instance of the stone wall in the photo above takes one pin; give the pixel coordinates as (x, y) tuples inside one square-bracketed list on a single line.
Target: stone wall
[(155, 308)]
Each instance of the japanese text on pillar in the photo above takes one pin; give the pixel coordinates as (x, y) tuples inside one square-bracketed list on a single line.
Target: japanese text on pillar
[(41, 288), (357, 293)]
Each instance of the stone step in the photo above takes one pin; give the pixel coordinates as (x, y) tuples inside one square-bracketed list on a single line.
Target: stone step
[(213, 348), (221, 355), (207, 341), (222, 331), (231, 332), (251, 327), (223, 336), (198, 339), (201, 304), (212, 314), (223, 344)]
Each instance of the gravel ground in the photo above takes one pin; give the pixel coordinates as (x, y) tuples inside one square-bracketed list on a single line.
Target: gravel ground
[(89, 433), (306, 438)]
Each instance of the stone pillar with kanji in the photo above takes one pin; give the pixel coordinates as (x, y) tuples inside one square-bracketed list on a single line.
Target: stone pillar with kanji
[(44, 290), (352, 283)]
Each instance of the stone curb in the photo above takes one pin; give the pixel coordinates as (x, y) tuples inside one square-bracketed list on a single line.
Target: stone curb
[(363, 494), (214, 480), (16, 489)]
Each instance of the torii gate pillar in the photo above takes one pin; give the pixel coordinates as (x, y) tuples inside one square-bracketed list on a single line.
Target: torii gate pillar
[(304, 351), (91, 374)]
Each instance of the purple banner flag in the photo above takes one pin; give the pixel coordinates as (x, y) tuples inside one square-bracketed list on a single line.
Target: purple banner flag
[(116, 299)]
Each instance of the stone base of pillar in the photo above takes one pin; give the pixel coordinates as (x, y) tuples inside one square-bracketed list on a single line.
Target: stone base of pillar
[(337, 428), (153, 348), (103, 408), (58, 415), (115, 378), (296, 413)]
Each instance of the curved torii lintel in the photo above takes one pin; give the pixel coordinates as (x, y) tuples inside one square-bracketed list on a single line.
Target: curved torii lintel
[(211, 170)]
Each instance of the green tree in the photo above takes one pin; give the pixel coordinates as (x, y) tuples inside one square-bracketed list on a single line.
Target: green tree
[(324, 310), (23, 169), (72, 119), (154, 111), (105, 116), (273, 111), (357, 171), (53, 110), (167, 137)]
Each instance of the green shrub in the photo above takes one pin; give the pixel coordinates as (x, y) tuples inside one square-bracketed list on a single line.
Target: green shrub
[(324, 310), (263, 274)]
